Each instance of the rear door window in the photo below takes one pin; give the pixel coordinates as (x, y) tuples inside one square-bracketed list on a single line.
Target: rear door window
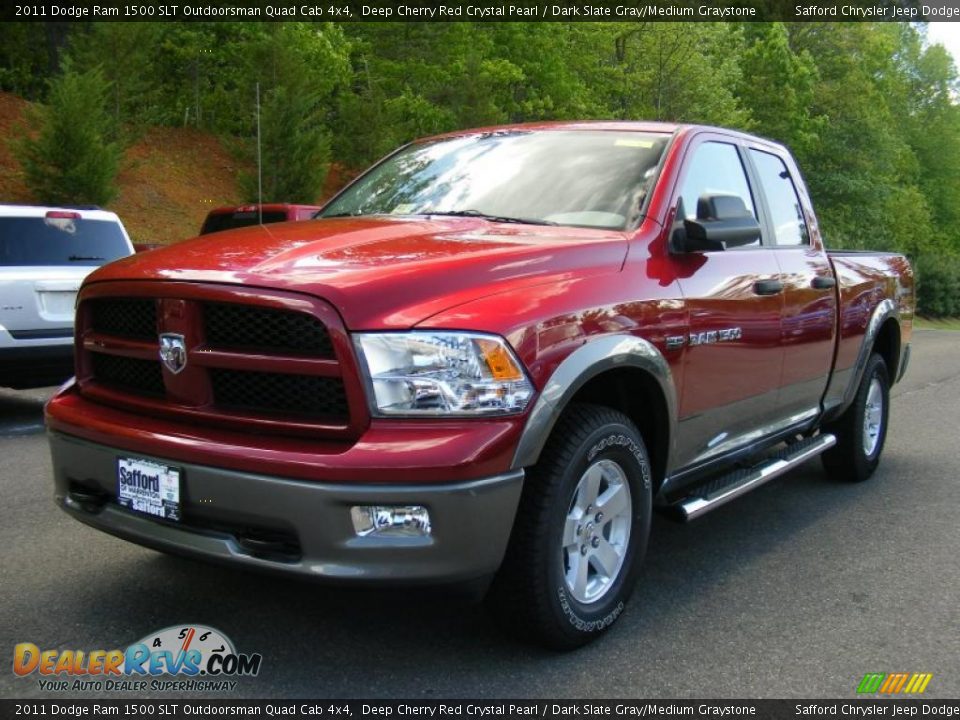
[(60, 241), (789, 225)]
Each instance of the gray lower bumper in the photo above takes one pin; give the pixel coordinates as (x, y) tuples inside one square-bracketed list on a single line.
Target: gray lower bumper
[(296, 527)]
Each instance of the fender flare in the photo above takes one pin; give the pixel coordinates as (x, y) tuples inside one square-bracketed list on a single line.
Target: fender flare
[(885, 310), (610, 352)]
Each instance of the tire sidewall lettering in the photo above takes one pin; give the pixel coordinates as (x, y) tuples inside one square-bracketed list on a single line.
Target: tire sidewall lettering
[(622, 441), (587, 625), (620, 447)]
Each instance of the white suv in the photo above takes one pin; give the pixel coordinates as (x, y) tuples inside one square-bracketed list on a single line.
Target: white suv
[(45, 253)]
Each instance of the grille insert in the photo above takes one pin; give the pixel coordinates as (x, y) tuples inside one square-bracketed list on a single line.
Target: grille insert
[(128, 317), (269, 330), (280, 392), (130, 374)]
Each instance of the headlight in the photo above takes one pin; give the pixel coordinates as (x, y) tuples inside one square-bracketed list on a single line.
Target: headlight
[(442, 373)]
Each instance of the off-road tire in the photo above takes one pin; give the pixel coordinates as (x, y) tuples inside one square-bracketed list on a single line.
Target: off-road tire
[(530, 594), (850, 460)]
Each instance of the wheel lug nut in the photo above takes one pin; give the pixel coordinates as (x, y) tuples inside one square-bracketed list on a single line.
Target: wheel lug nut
[(583, 549), (595, 542), (599, 517)]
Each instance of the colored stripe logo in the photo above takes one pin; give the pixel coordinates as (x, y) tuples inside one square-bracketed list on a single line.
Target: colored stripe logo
[(894, 683)]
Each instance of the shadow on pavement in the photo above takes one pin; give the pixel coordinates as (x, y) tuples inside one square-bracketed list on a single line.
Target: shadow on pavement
[(21, 411)]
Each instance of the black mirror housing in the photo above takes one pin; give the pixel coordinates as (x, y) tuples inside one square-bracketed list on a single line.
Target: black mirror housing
[(723, 221)]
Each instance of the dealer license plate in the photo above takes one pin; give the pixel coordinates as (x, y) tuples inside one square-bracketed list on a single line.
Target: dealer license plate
[(149, 488)]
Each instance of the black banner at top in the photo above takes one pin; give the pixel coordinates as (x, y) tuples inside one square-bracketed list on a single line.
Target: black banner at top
[(485, 10), (477, 709)]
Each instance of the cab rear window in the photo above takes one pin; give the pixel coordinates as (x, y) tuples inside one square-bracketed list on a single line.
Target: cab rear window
[(60, 241), (228, 221)]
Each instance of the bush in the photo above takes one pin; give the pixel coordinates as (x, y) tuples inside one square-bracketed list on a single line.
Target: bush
[(74, 157), (938, 285)]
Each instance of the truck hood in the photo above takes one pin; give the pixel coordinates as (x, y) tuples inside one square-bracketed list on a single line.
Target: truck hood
[(382, 272)]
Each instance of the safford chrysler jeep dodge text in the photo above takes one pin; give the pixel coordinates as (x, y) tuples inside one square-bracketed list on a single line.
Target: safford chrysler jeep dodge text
[(492, 355)]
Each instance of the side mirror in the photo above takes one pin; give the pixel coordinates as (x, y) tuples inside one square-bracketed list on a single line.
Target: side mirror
[(723, 221)]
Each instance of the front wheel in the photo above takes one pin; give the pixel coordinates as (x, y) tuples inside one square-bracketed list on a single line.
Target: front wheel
[(580, 533), (862, 429)]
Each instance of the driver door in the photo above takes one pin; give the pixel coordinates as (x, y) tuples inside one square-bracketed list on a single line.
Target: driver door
[(734, 301)]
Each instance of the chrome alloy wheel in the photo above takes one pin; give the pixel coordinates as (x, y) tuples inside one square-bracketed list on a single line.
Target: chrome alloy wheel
[(596, 532), (872, 417)]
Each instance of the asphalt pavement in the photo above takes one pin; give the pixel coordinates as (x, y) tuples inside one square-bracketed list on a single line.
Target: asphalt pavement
[(795, 590)]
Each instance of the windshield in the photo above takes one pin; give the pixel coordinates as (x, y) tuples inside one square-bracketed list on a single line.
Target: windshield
[(582, 178), (60, 241)]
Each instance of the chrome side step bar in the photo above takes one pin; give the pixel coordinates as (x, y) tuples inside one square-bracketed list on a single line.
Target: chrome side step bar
[(727, 487)]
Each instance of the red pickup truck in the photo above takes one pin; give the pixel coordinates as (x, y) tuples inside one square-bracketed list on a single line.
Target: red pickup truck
[(232, 217), (493, 355)]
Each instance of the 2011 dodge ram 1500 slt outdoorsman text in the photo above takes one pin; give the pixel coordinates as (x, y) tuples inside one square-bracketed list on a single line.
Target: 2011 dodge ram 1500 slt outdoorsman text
[(491, 356)]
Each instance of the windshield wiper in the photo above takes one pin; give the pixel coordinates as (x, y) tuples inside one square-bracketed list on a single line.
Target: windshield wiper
[(485, 216), (75, 258)]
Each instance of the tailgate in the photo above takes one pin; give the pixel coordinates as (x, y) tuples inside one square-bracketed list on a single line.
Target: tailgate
[(38, 299), (43, 260)]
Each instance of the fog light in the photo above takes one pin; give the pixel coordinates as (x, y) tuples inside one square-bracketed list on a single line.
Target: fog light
[(390, 520)]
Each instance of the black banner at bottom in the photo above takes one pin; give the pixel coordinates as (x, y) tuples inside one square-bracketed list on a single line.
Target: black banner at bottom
[(478, 709)]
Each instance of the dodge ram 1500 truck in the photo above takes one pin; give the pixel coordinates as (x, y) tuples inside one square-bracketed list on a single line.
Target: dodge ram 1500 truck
[(491, 356)]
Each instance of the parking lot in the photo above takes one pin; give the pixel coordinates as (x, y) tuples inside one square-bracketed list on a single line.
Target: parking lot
[(795, 590)]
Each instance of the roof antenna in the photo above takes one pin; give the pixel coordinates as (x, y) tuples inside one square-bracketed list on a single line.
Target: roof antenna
[(259, 165)]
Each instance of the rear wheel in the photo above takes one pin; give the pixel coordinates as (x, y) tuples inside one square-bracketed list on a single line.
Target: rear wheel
[(862, 429), (580, 532)]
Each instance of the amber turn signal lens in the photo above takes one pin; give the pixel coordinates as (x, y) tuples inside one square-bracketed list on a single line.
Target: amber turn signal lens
[(499, 360)]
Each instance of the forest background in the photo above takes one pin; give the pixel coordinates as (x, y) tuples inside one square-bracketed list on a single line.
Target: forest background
[(870, 110)]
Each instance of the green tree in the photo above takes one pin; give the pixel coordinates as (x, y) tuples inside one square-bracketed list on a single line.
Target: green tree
[(23, 59), (295, 147), (674, 72), (301, 67), (125, 53), (74, 157), (931, 125), (861, 170), (785, 114), (414, 79), (30, 55)]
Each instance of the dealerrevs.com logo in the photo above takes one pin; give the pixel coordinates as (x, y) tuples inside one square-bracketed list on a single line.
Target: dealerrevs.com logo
[(201, 658)]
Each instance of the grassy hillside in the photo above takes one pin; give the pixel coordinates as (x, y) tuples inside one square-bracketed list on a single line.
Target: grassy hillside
[(169, 179)]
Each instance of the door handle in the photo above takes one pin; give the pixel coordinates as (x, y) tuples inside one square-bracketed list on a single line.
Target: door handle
[(823, 282), (767, 287)]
